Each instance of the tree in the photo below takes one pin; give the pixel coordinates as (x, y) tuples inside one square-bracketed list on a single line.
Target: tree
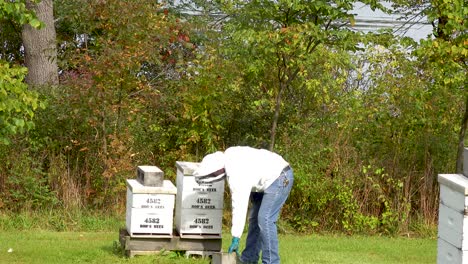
[(117, 61), (274, 40), (40, 45), (447, 51), (17, 103), (448, 54)]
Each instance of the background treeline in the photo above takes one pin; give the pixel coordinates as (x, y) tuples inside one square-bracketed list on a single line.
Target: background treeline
[(366, 120)]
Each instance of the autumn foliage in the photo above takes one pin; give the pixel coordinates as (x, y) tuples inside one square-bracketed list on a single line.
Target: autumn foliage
[(363, 118)]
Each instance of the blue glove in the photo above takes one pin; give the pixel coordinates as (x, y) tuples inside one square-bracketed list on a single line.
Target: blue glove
[(234, 245)]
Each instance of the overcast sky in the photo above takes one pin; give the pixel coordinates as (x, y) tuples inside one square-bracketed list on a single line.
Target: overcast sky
[(366, 20)]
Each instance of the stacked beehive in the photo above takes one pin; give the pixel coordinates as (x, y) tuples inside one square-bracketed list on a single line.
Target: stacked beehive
[(199, 207), (150, 204), (452, 243)]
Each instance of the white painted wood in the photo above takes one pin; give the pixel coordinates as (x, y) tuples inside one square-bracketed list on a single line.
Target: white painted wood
[(452, 198), (144, 222), (449, 254), (191, 195), (456, 182), (150, 200), (453, 227), (187, 167), (136, 187), (452, 244), (201, 236), (195, 221), (200, 200), (199, 207), (188, 184)]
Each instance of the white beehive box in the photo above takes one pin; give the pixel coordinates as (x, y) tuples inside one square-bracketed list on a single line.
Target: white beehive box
[(150, 210), (191, 195), (453, 220), (150, 200), (447, 253), (453, 227), (199, 222), (149, 223), (199, 207)]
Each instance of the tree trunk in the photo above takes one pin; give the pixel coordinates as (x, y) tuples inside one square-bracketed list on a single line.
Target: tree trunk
[(275, 118), (461, 139), (40, 46)]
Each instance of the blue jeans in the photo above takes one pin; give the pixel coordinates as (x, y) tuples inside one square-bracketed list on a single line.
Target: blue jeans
[(264, 212)]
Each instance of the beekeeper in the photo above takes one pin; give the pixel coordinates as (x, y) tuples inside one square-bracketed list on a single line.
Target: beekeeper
[(266, 178)]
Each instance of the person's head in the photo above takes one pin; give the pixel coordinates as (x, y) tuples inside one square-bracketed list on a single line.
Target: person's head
[(211, 168)]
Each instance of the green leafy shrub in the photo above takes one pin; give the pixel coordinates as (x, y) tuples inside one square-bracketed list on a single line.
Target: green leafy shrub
[(26, 186), (17, 103)]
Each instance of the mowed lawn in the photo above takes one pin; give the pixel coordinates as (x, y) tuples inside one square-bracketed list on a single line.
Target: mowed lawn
[(103, 247)]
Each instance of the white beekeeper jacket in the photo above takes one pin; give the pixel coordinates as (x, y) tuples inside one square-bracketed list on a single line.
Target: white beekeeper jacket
[(249, 170)]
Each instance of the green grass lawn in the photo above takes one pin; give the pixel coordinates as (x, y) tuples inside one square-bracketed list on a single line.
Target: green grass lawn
[(103, 247), (357, 249)]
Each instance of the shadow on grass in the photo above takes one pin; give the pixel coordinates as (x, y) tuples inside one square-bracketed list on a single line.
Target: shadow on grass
[(115, 249)]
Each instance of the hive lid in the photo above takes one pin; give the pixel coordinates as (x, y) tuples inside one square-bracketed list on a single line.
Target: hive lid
[(187, 167), (456, 182), (148, 168), (136, 187)]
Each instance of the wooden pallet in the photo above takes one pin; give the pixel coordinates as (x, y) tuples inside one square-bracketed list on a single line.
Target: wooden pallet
[(153, 245)]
